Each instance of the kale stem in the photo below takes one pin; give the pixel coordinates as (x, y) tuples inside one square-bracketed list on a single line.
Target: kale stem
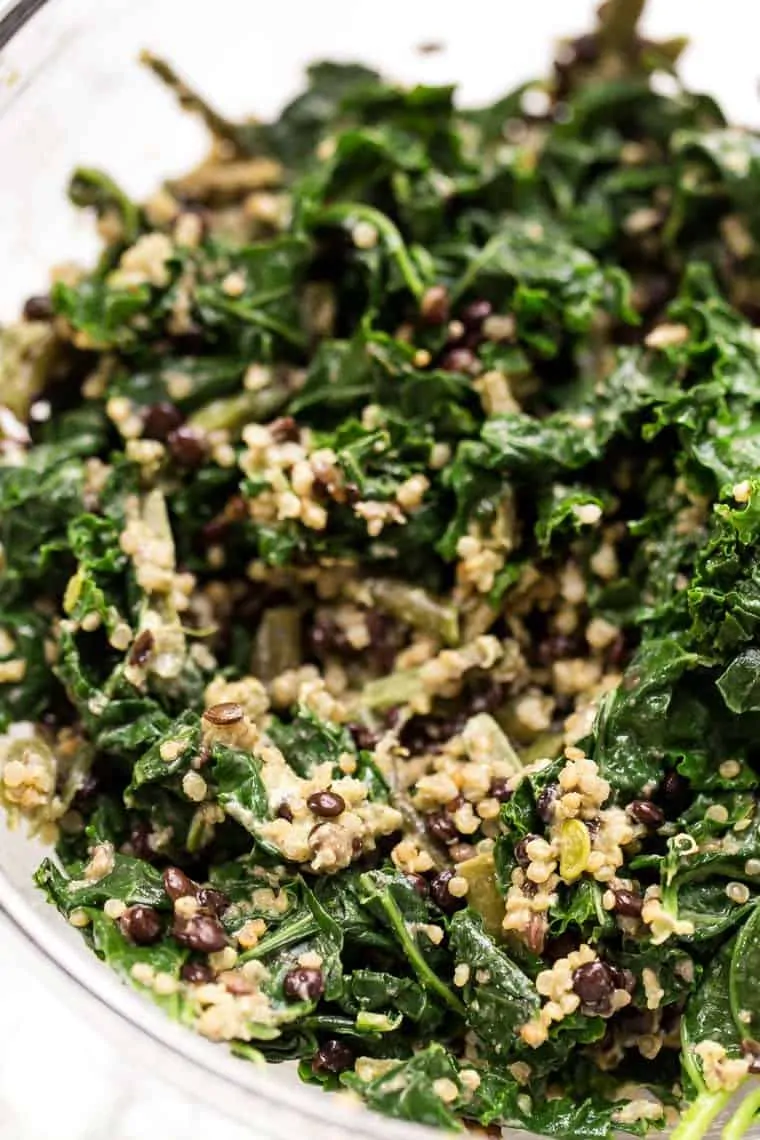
[(409, 945), (190, 100), (244, 312), (296, 931), (392, 239), (700, 1115), (743, 1118)]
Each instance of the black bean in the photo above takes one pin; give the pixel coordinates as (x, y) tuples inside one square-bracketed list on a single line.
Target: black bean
[(442, 896), (628, 904), (385, 636), (622, 979), (393, 716), (187, 446), (39, 308), (461, 852), (141, 925), (177, 885), (285, 811), (213, 900), (441, 827), (139, 843), (142, 647), (545, 802), (475, 313), (500, 790), (201, 932), (646, 813), (196, 973), (326, 804), (284, 430), (86, 791), (458, 360), (226, 712), (557, 646), (674, 791), (363, 737), (384, 844), (420, 885), (326, 636), (521, 849), (586, 48), (656, 291), (160, 420), (434, 306), (487, 697), (332, 1057), (303, 984), (594, 985), (616, 653)]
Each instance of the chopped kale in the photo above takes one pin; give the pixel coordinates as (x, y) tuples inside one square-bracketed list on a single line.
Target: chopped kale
[(379, 592)]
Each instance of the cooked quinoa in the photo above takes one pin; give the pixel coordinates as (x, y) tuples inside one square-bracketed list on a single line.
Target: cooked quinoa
[(379, 595)]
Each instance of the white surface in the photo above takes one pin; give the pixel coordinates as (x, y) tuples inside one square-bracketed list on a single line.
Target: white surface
[(60, 1077), (96, 106), (60, 1080)]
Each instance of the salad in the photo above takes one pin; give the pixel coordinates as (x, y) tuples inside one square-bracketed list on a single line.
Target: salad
[(379, 593)]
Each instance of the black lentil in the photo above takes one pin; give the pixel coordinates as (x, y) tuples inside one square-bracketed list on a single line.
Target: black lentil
[(160, 420), (332, 1057), (441, 827), (177, 884), (435, 305), (305, 983), (628, 904), (227, 712), (594, 985), (326, 804), (141, 925), (546, 801), (142, 647), (440, 893), (196, 973), (646, 813), (39, 308), (201, 932), (187, 446)]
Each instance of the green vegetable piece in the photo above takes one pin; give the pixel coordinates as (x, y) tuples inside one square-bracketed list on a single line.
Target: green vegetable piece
[(505, 998), (743, 988), (485, 740), (483, 893), (94, 188), (277, 642), (574, 849), (415, 607)]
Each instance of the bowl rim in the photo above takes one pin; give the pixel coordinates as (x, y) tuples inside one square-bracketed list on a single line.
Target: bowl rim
[(14, 16)]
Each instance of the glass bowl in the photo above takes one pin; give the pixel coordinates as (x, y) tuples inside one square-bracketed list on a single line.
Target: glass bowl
[(72, 92)]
